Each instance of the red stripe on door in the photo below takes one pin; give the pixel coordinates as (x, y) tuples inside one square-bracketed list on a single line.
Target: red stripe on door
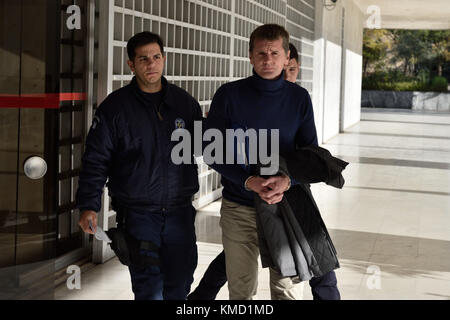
[(39, 101)]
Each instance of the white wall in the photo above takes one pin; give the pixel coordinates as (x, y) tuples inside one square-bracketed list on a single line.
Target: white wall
[(318, 79), (337, 68), (352, 89), (352, 68), (331, 105)]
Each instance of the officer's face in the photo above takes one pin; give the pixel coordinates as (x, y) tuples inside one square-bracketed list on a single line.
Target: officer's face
[(269, 58), (291, 70), (148, 65)]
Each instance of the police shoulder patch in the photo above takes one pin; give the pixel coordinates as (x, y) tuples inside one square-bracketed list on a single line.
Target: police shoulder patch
[(179, 123)]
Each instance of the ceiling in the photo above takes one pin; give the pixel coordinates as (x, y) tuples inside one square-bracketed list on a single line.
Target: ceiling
[(409, 14)]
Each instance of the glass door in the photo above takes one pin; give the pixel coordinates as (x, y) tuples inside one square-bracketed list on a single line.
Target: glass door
[(29, 105)]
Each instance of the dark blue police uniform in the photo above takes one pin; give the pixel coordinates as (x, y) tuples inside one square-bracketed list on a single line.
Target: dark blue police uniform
[(129, 144)]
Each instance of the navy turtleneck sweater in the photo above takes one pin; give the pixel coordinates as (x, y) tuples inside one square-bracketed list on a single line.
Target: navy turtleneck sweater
[(258, 103)]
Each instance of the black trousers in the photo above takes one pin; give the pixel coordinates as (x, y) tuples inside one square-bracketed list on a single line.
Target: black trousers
[(215, 277), (173, 232)]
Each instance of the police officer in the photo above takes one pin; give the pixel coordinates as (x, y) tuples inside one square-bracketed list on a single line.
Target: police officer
[(129, 144)]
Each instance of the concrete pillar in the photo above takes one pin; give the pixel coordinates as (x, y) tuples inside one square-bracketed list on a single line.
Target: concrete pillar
[(337, 67)]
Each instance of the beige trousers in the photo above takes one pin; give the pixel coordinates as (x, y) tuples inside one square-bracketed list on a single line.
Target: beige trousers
[(240, 241)]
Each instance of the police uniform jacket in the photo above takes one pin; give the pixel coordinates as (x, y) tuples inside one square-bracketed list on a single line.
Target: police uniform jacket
[(129, 143)]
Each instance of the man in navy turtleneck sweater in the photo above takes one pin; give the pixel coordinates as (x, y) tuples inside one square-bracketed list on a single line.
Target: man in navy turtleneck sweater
[(262, 101), (323, 288)]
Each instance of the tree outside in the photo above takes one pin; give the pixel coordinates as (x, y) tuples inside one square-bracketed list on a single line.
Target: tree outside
[(406, 60)]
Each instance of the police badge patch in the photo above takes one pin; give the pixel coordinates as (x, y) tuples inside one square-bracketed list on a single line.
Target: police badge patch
[(179, 123)]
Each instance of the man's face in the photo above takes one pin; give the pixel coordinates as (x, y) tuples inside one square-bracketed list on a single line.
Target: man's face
[(269, 58), (148, 65), (291, 70)]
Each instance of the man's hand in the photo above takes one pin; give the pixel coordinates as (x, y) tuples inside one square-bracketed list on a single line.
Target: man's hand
[(270, 190), (85, 217), (255, 184), (276, 186)]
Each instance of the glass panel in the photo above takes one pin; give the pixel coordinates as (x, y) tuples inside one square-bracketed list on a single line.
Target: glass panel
[(30, 245), (26, 232), (9, 120)]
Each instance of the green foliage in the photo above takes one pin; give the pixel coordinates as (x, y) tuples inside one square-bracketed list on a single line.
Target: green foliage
[(423, 76), (410, 86), (439, 84), (375, 46), (397, 81), (410, 46), (405, 60)]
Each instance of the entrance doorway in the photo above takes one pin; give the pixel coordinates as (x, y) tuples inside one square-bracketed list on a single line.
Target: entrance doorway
[(42, 104)]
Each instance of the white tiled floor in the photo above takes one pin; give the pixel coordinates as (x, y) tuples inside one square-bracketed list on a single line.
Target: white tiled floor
[(393, 215)]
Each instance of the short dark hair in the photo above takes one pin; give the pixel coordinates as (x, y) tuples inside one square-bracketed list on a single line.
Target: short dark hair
[(293, 54), (270, 32), (142, 39)]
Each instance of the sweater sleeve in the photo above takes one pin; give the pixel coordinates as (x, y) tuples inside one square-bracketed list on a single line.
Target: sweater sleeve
[(218, 118), (306, 134)]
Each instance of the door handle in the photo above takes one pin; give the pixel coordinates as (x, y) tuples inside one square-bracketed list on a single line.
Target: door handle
[(34, 167)]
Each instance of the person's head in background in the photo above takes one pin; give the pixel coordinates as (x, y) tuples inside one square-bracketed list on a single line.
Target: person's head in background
[(293, 68)]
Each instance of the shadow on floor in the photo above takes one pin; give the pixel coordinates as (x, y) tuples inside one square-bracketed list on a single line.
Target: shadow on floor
[(395, 255)]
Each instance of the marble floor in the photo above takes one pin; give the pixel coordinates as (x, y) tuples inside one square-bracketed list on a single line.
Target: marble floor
[(390, 223)]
